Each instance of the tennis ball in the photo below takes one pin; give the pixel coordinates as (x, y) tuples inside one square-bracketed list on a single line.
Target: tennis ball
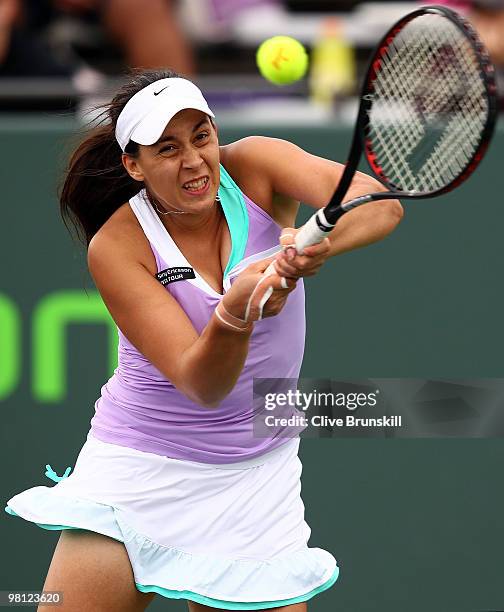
[(282, 60)]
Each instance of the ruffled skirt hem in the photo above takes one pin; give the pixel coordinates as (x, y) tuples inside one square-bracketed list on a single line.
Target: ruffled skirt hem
[(216, 581)]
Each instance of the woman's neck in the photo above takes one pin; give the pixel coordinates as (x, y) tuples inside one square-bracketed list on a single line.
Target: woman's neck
[(208, 224)]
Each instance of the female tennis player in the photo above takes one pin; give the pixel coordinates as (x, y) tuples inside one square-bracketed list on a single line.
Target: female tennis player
[(172, 494)]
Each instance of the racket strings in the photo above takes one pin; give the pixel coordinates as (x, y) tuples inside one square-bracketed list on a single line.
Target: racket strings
[(429, 106)]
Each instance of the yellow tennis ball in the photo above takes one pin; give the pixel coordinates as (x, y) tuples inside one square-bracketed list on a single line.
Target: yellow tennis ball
[(282, 60)]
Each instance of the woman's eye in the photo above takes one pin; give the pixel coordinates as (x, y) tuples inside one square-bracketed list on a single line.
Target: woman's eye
[(167, 149), (202, 136)]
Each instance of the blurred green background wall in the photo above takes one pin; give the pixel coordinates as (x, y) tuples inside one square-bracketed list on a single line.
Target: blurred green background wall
[(415, 524)]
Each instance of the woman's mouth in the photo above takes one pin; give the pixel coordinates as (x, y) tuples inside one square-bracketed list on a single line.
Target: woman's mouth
[(197, 186)]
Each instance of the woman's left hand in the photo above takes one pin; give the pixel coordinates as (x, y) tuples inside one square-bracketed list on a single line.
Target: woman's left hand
[(290, 264)]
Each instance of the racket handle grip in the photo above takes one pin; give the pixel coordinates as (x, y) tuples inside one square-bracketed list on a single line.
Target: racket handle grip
[(310, 233), (313, 231)]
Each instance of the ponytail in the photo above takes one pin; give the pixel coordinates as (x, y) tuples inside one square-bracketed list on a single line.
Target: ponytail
[(96, 183)]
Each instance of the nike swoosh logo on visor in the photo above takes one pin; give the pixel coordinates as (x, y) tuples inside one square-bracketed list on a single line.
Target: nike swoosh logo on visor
[(156, 93)]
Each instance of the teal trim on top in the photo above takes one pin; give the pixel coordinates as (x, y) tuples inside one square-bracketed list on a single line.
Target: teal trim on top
[(235, 211), (236, 605)]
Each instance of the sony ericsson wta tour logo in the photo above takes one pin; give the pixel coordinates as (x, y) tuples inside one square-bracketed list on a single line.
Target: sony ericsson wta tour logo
[(46, 338)]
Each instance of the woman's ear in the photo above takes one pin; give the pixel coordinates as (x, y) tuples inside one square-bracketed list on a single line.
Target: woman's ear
[(132, 167)]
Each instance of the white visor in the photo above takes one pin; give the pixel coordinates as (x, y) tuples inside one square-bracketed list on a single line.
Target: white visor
[(148, 112)]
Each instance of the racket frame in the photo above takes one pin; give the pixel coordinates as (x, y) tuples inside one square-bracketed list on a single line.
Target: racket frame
[(361, 142)]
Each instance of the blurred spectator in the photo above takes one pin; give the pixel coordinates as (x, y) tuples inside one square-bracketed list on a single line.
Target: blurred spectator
[(147, 33), (9, 13), (214, 21), (487, 16), (488, 19), (22, 53)]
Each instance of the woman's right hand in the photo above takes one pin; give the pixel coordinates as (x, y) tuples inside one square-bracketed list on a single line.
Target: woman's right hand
[(244, 298)]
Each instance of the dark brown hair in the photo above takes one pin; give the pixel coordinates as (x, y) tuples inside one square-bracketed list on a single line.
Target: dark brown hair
[(96, 183)]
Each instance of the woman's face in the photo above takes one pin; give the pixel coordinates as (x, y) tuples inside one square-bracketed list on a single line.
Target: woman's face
[(181, 170)]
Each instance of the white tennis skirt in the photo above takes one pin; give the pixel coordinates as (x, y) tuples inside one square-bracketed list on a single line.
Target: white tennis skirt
[(229, 536)]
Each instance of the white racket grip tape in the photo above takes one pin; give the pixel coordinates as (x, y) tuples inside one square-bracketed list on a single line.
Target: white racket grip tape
[(263, 301), (270, 269), (311, 233)]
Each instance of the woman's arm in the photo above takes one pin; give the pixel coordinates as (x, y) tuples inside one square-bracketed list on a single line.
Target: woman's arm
[(270, 166), (203, 367)]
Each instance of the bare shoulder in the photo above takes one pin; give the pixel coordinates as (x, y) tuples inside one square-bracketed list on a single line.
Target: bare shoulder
[(253, 163), (121, 237), (253, 153), (243, 162)]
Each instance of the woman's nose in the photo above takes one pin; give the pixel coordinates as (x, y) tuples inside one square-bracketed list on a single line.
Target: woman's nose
[(191, 157)]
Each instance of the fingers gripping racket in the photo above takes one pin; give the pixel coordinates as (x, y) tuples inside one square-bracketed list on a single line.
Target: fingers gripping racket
[(427, 112)]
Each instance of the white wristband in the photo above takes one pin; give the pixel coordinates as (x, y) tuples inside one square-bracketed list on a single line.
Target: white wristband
[(230, 320)]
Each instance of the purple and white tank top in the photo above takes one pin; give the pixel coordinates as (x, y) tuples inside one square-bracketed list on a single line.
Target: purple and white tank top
[(141, 409)]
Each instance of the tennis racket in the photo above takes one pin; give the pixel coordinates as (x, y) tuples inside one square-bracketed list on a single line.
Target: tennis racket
[(427, 112)]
